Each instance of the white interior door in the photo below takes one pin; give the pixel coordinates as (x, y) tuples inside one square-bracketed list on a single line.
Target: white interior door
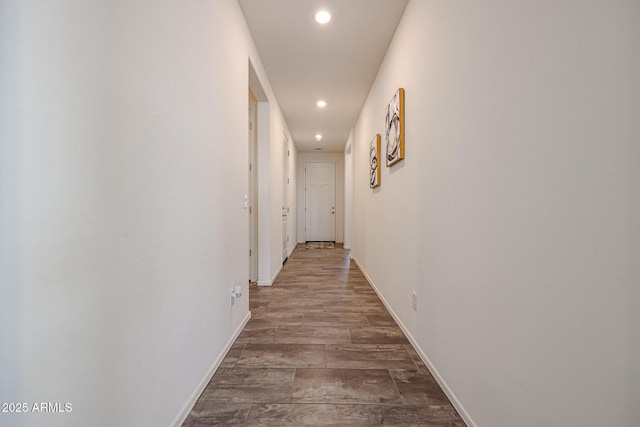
[(320, 202), (253, 188), (285, 190)]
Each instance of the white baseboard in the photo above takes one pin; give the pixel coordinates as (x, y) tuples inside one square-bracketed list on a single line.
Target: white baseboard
[(273, 279), (275, 275), (445, 387), (269, 282), (186, 409)]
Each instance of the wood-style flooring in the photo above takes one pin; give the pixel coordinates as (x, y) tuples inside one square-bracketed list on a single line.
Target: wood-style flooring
[(319, 350)]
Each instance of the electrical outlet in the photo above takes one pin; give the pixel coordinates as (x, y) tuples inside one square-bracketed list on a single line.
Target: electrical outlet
[(414, 301)]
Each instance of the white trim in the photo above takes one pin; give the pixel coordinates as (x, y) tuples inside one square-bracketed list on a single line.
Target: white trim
[(188, 406), (348, 248), (445, 387), (273, 279)]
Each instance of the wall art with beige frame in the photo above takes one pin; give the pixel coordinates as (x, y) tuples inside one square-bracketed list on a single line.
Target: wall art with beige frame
[(374, 162), (394, 128)]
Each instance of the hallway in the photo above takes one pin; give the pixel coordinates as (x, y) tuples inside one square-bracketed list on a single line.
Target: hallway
[(321, 349), (136, 191)]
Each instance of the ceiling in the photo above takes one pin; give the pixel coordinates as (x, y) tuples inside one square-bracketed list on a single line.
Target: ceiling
[(336, 62)]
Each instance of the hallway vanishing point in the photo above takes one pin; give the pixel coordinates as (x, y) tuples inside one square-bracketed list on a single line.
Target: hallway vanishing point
[(321, 349)]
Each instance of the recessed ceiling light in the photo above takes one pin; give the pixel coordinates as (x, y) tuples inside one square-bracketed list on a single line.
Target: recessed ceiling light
[(321, 104), (318, 137), (323, 17)]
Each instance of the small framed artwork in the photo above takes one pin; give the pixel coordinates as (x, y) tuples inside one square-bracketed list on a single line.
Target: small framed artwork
[(374, 162), (394, 127)]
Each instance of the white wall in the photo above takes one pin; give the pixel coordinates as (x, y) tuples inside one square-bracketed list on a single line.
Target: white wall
[(276, 188), (123, 153), (271, 125), (292, 197), (348, 191), (515, 215), (338, 159), (266, 185)]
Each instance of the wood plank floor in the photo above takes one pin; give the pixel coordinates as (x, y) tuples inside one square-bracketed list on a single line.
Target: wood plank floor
[(321, 349)]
